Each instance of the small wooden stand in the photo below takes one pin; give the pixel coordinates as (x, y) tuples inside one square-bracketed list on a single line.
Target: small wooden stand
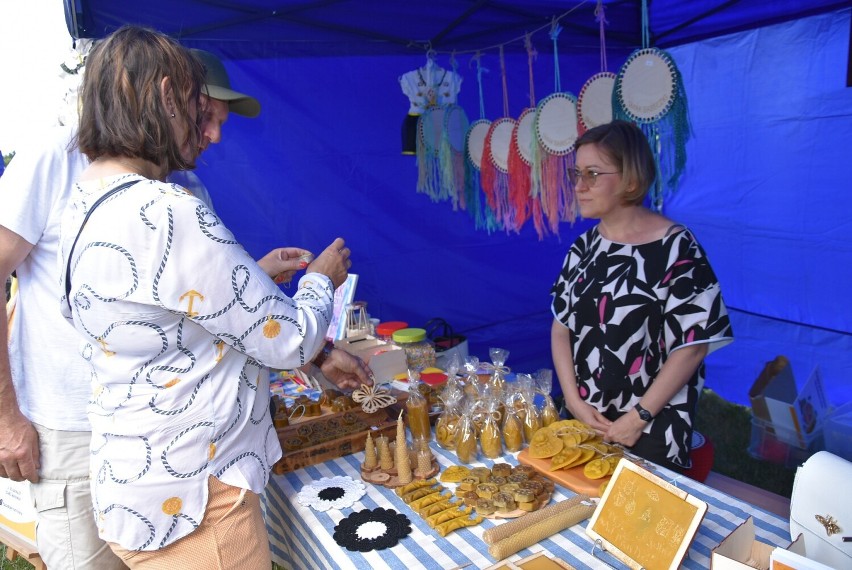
[(388, 477), (18, 548), (644, 521)]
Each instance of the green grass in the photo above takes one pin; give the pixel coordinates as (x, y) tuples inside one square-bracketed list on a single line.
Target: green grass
[(728, 426), (17, 564)]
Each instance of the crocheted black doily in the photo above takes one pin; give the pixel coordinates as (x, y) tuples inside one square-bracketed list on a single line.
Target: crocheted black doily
[(368, 530)]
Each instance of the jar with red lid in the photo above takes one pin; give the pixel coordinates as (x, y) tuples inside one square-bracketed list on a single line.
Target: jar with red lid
[(384, 331)]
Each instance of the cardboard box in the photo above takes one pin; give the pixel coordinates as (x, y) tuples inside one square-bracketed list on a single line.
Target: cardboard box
[(386, 360), (742, 551), (786, 560), (775, 399)]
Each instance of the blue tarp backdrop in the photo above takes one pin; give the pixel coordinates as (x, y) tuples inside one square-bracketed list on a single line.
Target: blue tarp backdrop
[(766, 190)]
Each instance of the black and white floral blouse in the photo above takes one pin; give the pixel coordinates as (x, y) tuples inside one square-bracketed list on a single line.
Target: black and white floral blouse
[(628, 307)]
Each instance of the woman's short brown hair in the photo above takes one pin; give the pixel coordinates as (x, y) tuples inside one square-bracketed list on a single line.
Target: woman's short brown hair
[(627, 147), (123, 111)]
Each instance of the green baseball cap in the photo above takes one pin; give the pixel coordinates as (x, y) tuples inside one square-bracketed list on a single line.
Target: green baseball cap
[(219, 86)]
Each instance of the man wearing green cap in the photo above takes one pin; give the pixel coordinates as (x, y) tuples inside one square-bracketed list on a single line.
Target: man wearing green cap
[(44, 383)]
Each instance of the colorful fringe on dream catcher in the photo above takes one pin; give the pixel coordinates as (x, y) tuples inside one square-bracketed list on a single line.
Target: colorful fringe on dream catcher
[(495, 182), (551, 183), (558, 201), (451, 156), (520, 171), (520, 183), (428, 166), (477, 208), (451, 151), (668, 130)]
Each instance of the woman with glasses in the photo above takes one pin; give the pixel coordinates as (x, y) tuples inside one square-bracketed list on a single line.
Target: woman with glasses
[(636, 306)]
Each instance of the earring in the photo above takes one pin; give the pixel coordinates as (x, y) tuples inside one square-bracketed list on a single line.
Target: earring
[(173, 115)]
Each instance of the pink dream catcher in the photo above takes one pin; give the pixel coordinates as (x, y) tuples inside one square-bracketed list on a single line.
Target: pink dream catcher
[(523, 198), (495, 160)]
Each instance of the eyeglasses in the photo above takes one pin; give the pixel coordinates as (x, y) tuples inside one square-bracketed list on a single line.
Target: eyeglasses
[(590, 177)]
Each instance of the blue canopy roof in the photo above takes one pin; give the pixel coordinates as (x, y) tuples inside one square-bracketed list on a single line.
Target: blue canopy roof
[(765, 188), (348, 27)]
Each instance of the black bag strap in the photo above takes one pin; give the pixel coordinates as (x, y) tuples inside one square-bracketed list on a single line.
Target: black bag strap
[(438, 327), (97, 203)]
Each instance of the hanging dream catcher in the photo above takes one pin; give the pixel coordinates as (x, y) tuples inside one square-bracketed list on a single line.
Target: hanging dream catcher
[(439, 169), (646, 86), (495, 161), (475, 142), (521, 156), (474, 150), (556, 124), (430, 127), (649, 91), (451, 155), (556, 133), (594, 103), (495, 169)]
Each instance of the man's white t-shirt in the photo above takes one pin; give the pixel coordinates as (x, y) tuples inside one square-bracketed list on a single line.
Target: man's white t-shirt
[(51, 379)]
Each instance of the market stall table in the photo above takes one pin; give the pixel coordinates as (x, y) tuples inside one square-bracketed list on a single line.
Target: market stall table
[(301, 537)]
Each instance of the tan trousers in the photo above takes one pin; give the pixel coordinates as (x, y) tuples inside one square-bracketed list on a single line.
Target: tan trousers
[(232, 535), (66, 533)]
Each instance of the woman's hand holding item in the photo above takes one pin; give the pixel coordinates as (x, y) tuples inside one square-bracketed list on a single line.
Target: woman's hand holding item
[(347, 371), (284, 262), (333, 262)]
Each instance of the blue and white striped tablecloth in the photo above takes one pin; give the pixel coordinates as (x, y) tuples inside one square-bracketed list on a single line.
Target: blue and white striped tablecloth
[(301, 537)]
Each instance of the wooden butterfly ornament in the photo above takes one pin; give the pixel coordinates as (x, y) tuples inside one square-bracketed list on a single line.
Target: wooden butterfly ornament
[(372, 398)]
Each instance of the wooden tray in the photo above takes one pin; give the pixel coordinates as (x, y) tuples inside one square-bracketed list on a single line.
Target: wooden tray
[(319, 442), (572, 478), (390, 478)]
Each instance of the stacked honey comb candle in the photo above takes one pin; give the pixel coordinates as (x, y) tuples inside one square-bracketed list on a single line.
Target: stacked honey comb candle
[(394, 468)]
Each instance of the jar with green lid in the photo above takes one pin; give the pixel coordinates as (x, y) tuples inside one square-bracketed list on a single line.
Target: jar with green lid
[(419, 352)]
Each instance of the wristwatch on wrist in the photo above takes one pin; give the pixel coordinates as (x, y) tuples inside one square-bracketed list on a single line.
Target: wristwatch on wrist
[(323, 354), (644, 414)]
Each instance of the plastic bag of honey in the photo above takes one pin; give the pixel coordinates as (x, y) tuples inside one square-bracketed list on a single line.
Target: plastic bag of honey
[(490, 436), (445, 426), (512, 428), (544, 383), (528, 411), (466, 436)]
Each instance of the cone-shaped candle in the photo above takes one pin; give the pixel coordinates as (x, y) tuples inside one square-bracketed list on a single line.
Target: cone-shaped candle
[(403, 460), (370, 460)]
